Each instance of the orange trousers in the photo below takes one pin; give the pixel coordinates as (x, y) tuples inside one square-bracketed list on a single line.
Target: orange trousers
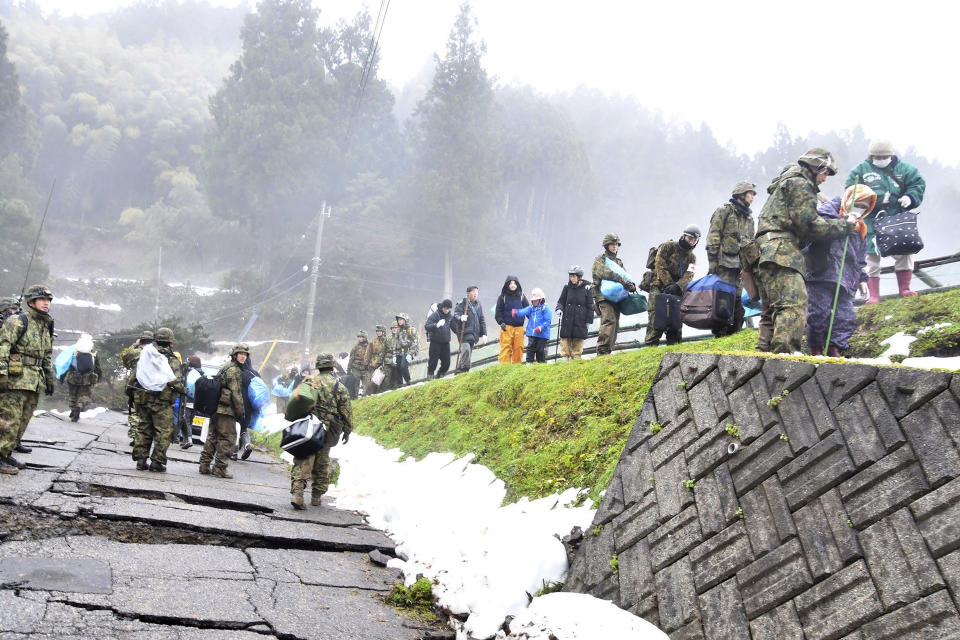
[(511, 345)]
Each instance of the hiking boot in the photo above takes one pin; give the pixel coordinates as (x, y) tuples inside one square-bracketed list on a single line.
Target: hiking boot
[(204, 469), (186, 444), (74, 414), (7, 468), (141, 465), (233, 456), (221, 472), (834, 352), (245, 447), (315, 499), (20, 448), (156, 466), (296, 499), (132, 442), (16, 463)]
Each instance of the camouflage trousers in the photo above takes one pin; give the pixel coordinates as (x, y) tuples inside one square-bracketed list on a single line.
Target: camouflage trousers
[(315, 467), (609, 323), (79, 395), (221, 441), (155, 429), (784, 318), (133, 421), (16, 409)]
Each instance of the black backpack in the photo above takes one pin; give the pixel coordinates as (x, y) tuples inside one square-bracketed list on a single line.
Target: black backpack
[(84, 363), (206, 395)]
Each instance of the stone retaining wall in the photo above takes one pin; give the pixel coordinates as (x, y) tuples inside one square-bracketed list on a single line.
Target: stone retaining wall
[(837, 517)]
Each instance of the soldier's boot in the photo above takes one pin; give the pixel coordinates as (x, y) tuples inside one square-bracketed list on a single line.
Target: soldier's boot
[(816, 351), (221, 472), (245, 447), (16, 463), (834, 352), (873, 287), (204, 469), (142, 465), (7, 468), (315, 499), (296, 500), (156, 466), (903, 283), (74, 414), (20, 448)]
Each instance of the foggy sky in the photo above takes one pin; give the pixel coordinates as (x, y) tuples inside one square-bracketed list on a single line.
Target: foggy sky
[(738, 67)]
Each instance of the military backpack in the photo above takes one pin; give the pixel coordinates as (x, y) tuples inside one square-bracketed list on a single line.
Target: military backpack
[(647, 280)]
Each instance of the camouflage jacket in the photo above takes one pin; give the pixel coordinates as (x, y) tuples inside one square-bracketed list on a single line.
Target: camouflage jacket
[(407, 339), (130, 357), (731, 227), (333, 406), (789, 219), (602, 272), (231, 391), (672, 265), (90, 378), (389, 351), (358, 357), (27, 337), (169, 394), (374, 354)]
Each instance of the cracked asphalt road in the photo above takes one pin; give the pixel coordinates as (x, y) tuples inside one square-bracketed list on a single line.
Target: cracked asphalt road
[(92, 548)]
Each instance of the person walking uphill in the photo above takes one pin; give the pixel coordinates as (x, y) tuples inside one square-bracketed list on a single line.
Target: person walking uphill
[(374, 360), (539, 317), (575, 307), (826, 263), (155, 407), (608, 311), (407, 348), (899, 187), (222, 435), (731, 229), (469, 325), (26, 368), (789, 220), (129, 357), (438, 331), (357, 365), (83, 374), (672, 272), (511, 327), (334, 410)]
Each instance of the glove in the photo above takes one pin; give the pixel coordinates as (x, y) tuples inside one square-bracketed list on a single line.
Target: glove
[(673, 289), (852, 217), (861, 228), (409, 358), (346, 436), (905, 202), (503, 326), (50, 387), (631, 287), (513, 313), (463, 318), (538, 330), (440, 323), (482, 339)]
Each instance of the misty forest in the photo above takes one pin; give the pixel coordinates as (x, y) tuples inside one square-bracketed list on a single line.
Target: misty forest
[(193, 147)]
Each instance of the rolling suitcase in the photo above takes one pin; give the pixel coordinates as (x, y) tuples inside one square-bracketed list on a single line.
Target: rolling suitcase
[(666, 316)]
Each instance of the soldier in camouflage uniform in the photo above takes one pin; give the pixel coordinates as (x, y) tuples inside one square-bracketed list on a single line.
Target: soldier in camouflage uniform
[(333, 408), (155, 411), (8, 307), (731, 228), (26, 368), (608, 311), (372, 360), (391, 346), (129, 357), (672, 272), (79, 385), (408, 346), (788, 221), (357, 365), (222, 434)]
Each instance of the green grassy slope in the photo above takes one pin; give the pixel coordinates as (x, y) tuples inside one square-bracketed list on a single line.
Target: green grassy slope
[(880, 321)]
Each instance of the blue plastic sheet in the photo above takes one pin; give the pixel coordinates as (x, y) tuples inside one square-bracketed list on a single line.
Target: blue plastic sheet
[(613, 291), (192, 376), (281, 391), (64, 358), (751, 308), (258, 393), (256, 422)]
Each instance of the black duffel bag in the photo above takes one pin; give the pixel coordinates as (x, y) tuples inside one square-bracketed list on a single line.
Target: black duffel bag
[(304, 437), (897, 234)]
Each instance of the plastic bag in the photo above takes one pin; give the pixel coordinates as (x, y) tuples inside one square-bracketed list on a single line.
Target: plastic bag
[(192, 376), (257, 393), (62, 364), (377, 376), (85, 343), (153, 369), (617, 269), (281, 391), (613, 291)]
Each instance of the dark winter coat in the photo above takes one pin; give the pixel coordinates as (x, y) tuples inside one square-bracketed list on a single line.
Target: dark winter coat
[(437, 334), (508, 301), (576, 305), (476, 324), (823, 256)]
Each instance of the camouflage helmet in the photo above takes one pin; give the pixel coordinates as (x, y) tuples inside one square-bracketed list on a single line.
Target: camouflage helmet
[(164, 334), (324, 361), (380, 327), (692, 230), (395, 325), (744, 187), (610, 238), (819, 159), (8, 303), (37, 292), (361, 334), (576, 270), (240, 347), (146, 334)]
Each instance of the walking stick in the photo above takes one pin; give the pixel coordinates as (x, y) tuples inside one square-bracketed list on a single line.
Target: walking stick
[(463, 326), (843, 261)]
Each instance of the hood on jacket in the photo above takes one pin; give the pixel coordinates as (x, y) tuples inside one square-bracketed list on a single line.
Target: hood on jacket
[(506, 283), (830, 208)]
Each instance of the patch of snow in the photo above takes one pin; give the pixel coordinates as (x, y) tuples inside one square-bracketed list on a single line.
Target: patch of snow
[(577, 616), (446, 516), (931, 362), (887, 317), (200, 291), (897, 345), (933, 328), (72, 302)]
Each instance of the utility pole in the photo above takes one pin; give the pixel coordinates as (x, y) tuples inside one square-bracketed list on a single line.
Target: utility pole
[(156, 306), (314, 276)]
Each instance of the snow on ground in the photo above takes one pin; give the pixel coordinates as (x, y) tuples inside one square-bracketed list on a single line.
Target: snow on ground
[(577, 616), (899, 345), (72, 302), (933, 363)]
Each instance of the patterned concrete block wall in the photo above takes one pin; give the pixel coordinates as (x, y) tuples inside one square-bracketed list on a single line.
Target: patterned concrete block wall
[(838, 517)]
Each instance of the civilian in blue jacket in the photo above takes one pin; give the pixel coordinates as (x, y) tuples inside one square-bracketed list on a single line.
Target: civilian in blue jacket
[(539, 316)]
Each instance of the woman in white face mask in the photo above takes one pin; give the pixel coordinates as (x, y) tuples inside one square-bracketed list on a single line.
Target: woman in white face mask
[(899, 187)]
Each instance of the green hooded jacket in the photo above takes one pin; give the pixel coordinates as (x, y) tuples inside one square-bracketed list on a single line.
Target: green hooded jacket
[(911, 184)]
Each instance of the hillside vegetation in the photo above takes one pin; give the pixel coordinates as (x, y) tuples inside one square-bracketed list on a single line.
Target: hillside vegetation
[(543, 429)]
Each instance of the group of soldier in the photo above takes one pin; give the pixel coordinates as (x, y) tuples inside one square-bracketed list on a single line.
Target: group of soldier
[(390, 354)]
